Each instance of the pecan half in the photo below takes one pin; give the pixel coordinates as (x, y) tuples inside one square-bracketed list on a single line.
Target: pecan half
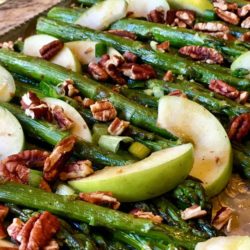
[(98, 72), (246, 23), (103, 111), (245, 37), (187, 16), (59, 156), (227, 16), (177, 93), (240, 127), (64, 122), (14, 228), (222, 217), (163, 47), (192, 212), (123, 33), (75, 170), (51, 49), (168, 76), (211, 27), (156, 16), (208, 55), (129, 57), (117, 127), (224, 89), (146, 215), (101, 198), (244, 10), (68, 88)]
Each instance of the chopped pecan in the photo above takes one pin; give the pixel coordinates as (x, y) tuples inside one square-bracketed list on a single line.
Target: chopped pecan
[(123, 33), (244, 10), (75, 170), (179, 23), (101, 198), (177, 93), (68, 88), (245, 37), (168, 76), (192, 212), (103, 60), (246, 23), (187, 16), (223, 35), (208, 55), (223, 5), (98, 72), (147, 215), (243, 97), (227, 16), (51, 49), (103, 111), (53, 245), (224, 89), (163, 47), (7, 45), (117, 127), (156, 16), (129, 57), (211, 27), (113, 60), (14, 228), (114, 73), (240, 127), (87, 102), (59, 156), (170, 16), (222, 217), (64, 122)]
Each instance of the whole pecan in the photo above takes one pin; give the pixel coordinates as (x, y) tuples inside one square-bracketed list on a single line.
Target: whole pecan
[(156, 16), (101, 198), (208, 55), (103, 111), (68, 88), (211, 27), (168, 76), (117, 127), (146, 215), (246, 23), (75, 170), (123, 33), (227, 16), (129, 57), (59, 156), (222, 217), (244, 10), (240, 127), (194, 211), (98, 72), (51, 49)]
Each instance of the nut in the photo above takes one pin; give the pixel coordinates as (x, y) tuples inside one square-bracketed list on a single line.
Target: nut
[(240, 127), (3, 212), (244, 10), (223, 5), (245, 37), (163, 47), (123, 33), (170, 16), (156, 16), (147, 215), (179, 23), (59, 156), (227, 16), (103, 111), (75, 170), (51, 49), (129, 57), (7, 45), (223, 35), (53, 245), (168, 77), (246, 23), (192, 212), (222, 217), (177, 93), (98, 72), (68, 88), (14, 228), (208, 55), (243, 97), (61, 118), (101, 198), (187, 16), (211, 27), (87, 102), (117, 127)]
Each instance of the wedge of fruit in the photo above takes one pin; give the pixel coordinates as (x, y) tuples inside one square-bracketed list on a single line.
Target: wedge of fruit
[(7, 85), (193, 123), (102, 14), (242, 62), (64, 57), (11, 134), (80, 128), (150, 177)]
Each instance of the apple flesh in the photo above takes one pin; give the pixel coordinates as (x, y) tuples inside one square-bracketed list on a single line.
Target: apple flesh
[(242, 62), (145, 179), (193, 123)]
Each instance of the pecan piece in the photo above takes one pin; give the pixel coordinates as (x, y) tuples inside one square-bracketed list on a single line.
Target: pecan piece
[(222, 217), (51, 49), (68, 88), (244, 10), (117, 127), (75, 170), (168, 76), (123, 33), (246, 23), (192, 212), (163, 47), (98, 72), (223, 35), (129, 57), (64, 122), (15, 228), (224, 89), (211, 27), (53, 245), (61, 153), (208, 55), (103, 111), (227, 16), (156, 16), (177, 93), (170, 16), (245, 37), (101, 198), (7, 45), (240, 127), (187, 16), (243, 97), (179, 23), (146, 215), (87, 102)]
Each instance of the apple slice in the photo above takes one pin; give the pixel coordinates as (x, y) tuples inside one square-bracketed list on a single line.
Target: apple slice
[(143, 7), (242, 62), (193, 123), (11, 134), (7, 85), (145, 179), (80, 128), (65, 57), (102, 14)]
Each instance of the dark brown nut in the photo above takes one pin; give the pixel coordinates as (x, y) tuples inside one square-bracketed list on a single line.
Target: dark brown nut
[(156, 16), (75, 170), (117, 127), (87, 102), (138, 71), (64, 122), (222, 217), (98, 72), (211, 27), (243, 97), (187, 16), (246, 23), (170, 16), (129, 57), (3, 212), (103, 60), (146, 215), (49, 50), (168, 77), (240, 127), (103, 111), (224, 89), (123, 33), (177, 93), (244, 10), (227, 16), (7, 45), (163, 47), (53, 245), (101, 198), (208, 55), (192, 212), (245, 37), (179, 23), (59, 156), (14, 228), (68, 88)]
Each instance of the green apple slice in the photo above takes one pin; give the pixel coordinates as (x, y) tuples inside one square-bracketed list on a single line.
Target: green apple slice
[(148, 178), (193, 123), (11, 134), (143, 7), (225, 243), (65, 57), (7, 85), (242, 62), (80, 127), (102, 14)]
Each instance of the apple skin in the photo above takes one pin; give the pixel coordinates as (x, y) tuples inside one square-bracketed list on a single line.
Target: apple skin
[(145, 179)]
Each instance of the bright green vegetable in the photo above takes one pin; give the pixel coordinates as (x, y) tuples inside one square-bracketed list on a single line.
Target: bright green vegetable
[(139, 150)]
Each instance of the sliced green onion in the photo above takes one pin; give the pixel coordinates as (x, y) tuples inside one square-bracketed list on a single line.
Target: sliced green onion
[(148, 92), (35, 178), (63, 189), (158, 92), (99, 130), (47, 90), (100, 49), (139, 150)]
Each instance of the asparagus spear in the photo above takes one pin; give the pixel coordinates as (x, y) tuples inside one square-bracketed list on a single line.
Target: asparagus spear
[(201, 72), (94, 215)]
